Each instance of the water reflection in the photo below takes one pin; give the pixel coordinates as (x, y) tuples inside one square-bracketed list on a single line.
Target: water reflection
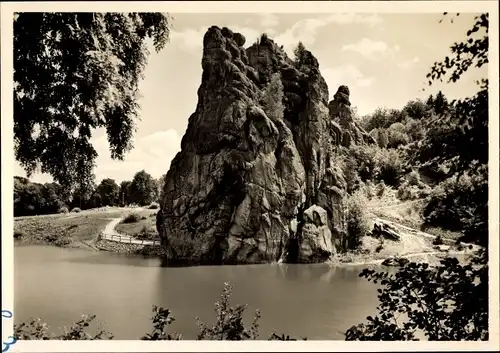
[(59, 285)]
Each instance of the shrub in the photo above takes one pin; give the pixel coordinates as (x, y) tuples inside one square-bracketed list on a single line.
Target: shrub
[(381, 189), (438, 241), (63, 209), (413, 178), (154, 206), (229, 321), (76, 210), (445, 303), (132, 218), (461, 204), (162, 318), (389, 166), (38, 330), (357, 221), (18, 235)]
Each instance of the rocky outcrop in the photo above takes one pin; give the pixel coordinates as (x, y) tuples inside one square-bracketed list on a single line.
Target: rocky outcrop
[(254, 183), (350, 132)]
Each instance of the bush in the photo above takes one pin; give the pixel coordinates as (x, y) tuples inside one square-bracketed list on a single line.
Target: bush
[(389, 167), (38, 330), (132, 218), (229, 321), (461, 204), (357, 221), (63, 209), (446, 303), (18, 235), (76, 210), (413, 178), (438, 241), (154, 206), (381, 189)]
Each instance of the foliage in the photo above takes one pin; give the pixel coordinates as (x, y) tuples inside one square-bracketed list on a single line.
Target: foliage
[(125, 197), (74, 73), (229, 321), (446, 303), (38, 330), (357, 221), (143, 189), (461, 203), (63, 209), (272, 98), (438, 241), (397, 135), (108, 191), (132, 218), (416, 109), (299, 54), (162, 318), (369, 162)]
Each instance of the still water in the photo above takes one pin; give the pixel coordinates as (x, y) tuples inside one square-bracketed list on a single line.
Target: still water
[(58, 285)]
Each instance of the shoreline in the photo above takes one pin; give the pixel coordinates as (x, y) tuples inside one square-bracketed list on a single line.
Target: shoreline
[(341, 260), (415, 246)]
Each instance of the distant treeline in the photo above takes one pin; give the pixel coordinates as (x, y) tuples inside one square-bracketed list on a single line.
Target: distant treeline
[(32, 198)]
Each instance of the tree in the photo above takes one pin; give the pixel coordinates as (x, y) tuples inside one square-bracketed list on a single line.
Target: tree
[(83, 196), (300, 54), (450, 301), (108, 190), (430, 101), (440, 104), (416, 109), (53, 196), (143, 188), (125, 198), (73, 73)]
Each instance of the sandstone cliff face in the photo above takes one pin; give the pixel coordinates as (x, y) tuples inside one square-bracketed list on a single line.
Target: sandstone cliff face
[(247, 186)]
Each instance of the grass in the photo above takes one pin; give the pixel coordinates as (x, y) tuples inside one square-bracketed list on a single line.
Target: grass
[(59, 231), (64, 230), (144, 226), (407, 213)]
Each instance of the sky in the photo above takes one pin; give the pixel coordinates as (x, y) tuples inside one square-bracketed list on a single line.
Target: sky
[(382, 58)]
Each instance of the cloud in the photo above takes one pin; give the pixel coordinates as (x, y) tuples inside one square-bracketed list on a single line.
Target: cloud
[(189, 39), (409, 63), (268, 20), (192, 39), (306, 30), (152, 153), (371, 48), (355, 18), (348, 75)]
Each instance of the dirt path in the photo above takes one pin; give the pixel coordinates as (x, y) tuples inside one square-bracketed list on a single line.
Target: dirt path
[(110, 233)]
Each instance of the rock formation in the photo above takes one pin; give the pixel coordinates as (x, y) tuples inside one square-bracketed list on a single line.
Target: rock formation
[(252, 184), (341, 113)]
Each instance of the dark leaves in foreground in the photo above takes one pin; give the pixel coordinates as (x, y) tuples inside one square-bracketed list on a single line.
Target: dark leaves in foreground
[(74, 73), (446, 303)]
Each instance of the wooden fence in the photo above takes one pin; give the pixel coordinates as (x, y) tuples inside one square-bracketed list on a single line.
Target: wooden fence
[(129, 240)]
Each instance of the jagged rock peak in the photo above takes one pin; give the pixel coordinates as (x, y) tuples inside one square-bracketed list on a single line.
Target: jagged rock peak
[(252, 178)]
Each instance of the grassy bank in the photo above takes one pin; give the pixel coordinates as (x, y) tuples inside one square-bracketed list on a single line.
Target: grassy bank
[(140, 224), (78, 230)]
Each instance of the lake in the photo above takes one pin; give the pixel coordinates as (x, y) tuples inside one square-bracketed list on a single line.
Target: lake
[(59, 285)]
